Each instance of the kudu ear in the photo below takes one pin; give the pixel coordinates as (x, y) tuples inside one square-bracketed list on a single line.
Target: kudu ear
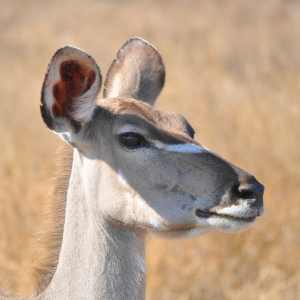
[(69, 91), (138, 72)]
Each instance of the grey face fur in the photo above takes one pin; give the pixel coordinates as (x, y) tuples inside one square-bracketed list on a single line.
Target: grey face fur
[(141, 168)]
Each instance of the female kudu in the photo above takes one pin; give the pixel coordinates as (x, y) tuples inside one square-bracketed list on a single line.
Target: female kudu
[(134, 169)]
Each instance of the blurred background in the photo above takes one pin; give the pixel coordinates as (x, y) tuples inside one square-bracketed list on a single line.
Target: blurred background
[(233, 69)]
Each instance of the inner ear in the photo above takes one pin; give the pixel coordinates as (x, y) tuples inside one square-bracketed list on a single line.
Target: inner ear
[(75, 80), (137, 72), (70, 89)]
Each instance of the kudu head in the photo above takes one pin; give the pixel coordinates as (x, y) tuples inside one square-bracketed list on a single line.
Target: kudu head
[(141, 167)]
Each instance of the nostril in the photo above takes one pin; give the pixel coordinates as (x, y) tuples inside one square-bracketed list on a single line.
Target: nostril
[(243, 191), (246, 193), (250, 191)]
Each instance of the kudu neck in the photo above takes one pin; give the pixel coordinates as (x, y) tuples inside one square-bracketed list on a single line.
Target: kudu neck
[(97, 259)]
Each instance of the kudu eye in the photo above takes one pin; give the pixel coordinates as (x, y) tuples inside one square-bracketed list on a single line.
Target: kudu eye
[(132, 140)]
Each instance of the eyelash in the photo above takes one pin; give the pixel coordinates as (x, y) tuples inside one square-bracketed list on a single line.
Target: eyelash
[(133, 140)]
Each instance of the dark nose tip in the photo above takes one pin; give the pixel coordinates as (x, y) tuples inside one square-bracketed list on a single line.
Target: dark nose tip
[(249, 189)]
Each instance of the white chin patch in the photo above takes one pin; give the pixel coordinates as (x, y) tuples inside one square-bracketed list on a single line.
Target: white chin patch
[(227, 224), (241, 211)]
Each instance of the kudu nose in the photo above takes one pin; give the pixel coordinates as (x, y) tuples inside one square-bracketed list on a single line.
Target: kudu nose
[(250, 190)]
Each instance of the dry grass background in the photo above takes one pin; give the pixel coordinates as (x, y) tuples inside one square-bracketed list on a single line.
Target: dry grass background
[(233, 68)]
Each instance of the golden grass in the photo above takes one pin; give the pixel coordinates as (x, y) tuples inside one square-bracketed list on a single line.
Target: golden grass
[(233, 68)]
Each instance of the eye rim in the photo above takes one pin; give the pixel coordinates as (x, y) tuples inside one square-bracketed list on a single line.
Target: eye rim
[(132, 140)]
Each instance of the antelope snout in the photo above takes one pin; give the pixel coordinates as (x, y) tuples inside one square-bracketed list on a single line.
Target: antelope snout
[(250, 190)]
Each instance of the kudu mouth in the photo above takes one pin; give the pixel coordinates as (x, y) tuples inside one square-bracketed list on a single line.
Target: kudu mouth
[(242, 203), (207, 214)]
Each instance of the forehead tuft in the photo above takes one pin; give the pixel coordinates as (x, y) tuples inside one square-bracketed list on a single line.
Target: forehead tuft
[(170, 122)]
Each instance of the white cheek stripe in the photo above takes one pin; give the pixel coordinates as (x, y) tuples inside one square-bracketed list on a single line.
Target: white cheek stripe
[(181, 148)]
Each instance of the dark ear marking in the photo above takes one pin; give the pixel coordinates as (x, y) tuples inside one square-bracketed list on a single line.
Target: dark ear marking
[(71, 85), (76, 79)]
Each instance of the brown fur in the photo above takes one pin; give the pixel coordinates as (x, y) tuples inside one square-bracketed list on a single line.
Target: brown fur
[(127, 105), (76, 79), (48, 242), (170, 124)]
